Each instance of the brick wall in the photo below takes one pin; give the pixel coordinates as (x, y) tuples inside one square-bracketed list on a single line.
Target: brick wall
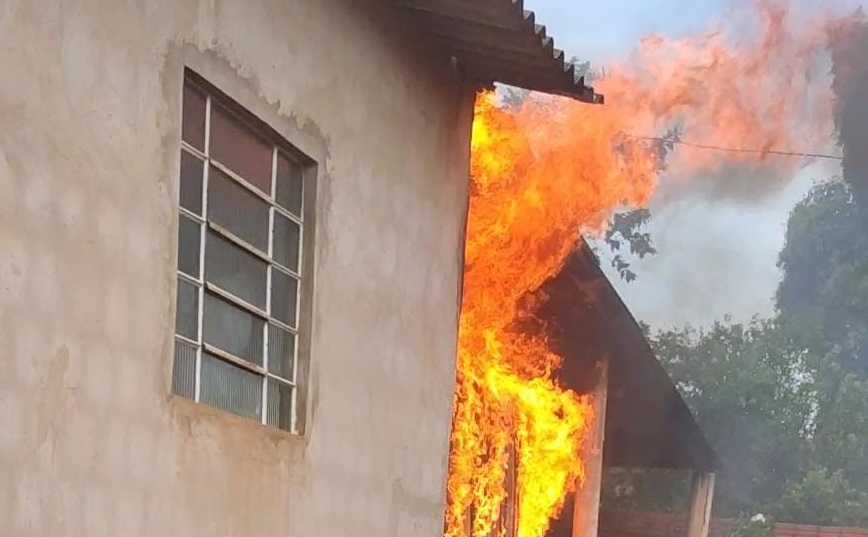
[(639, 524)]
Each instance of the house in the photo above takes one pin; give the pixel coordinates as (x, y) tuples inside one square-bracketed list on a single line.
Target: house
[(231, 246), (231, 239)]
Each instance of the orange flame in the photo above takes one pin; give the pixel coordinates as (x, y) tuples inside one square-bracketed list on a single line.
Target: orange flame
[(542, 173)]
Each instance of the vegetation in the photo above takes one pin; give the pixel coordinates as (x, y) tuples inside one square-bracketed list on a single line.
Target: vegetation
[(784, 401)]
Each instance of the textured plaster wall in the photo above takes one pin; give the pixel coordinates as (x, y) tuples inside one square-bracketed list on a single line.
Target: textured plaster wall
[(91, 442)]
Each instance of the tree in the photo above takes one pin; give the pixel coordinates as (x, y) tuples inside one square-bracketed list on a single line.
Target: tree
[(824, 295), (627, 228), (748, 390), (824, 289), (825, 497), (783, 401)]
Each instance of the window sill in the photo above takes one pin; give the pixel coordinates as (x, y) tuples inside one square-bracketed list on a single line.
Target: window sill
[(198, 419)]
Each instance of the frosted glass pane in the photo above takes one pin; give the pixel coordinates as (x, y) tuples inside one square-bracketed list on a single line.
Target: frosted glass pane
[(279, 404), (237, 209), (191, 182), (184, 370), (193, 120), (284, 292), (187, 310), (188, 246), (287, 238), (231, 388), (239, 148), (235, 270), (290, 184), (281, 352), (233, 330)]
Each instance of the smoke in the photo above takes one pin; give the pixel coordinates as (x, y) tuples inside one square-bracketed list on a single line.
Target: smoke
[(774, 71), (718, 227), (714, 257), (850, 83)]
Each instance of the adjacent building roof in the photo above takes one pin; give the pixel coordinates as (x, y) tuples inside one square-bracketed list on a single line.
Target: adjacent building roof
[(500, 41), (648, 424)]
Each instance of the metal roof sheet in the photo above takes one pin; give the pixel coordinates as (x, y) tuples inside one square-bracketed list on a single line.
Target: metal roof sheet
[(500, 41)]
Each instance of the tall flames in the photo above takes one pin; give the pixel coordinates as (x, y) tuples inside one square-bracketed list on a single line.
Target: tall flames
[(552, 167)]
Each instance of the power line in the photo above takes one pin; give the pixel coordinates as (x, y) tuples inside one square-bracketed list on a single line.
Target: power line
[(740, 149)]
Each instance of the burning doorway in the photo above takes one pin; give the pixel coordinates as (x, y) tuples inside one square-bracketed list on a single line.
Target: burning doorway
[(636, 418)]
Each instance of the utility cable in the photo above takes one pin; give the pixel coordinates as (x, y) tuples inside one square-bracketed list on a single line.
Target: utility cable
[(739, 149)]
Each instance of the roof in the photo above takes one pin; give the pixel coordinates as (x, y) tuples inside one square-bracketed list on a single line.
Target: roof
[(499, 41), (648, 424)]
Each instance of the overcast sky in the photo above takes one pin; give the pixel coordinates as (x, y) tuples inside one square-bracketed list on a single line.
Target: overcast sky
[(715, 258)]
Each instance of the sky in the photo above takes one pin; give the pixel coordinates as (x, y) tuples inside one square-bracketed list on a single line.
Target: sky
[(715, 258)]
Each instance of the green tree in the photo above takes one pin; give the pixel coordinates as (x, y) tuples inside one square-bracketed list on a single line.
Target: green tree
[(783, 401), (628, 229), (825, 497), (824, 290), (749, 390), (824, 296)]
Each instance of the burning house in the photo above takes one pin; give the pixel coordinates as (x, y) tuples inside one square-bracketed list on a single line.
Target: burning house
[(640, 419), (233, 251)]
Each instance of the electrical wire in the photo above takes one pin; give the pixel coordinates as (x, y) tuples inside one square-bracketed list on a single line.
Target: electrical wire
[(739, 149)]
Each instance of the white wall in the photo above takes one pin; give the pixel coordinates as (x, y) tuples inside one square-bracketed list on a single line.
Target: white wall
[(91, 442)]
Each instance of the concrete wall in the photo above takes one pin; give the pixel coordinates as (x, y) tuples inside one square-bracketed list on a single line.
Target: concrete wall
[(91, 442)]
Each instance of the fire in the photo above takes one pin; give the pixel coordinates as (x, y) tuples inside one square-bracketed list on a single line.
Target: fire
[(542, 173)]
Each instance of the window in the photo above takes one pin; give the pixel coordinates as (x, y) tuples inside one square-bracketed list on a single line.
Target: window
[(240, 262)]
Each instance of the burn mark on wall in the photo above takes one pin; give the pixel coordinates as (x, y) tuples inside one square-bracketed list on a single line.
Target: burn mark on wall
[(52, 401), (410, 514)]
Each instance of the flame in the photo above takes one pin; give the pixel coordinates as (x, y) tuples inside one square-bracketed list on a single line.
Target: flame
[(553, 167)]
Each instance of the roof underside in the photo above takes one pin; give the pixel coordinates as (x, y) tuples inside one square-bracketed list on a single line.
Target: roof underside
[(500, 41), (648, 424)]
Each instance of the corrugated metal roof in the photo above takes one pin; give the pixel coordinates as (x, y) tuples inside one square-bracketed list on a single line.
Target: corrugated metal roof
[(500, 41)]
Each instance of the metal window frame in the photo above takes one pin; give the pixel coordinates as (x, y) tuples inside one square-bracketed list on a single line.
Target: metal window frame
[(280, 147)]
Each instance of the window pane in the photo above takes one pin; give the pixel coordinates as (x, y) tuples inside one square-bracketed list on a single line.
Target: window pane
[(281, 352), (184, 370), (188, 246), (187, 311), (191, 183), (287, 235), (235, 270), (235, 145), (231, 388), (235, 208), (279, 404), (193, 121), (233, 330), (290, 184), (284, 289)]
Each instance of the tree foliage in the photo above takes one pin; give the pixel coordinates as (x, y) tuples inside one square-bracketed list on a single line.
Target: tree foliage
[(730, 376), (628, 229), (825, 274), (784, 401)]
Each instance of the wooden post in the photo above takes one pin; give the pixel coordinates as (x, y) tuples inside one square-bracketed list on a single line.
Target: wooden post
[(586, 509), (510, 509), (506, 522), (701, 498)]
